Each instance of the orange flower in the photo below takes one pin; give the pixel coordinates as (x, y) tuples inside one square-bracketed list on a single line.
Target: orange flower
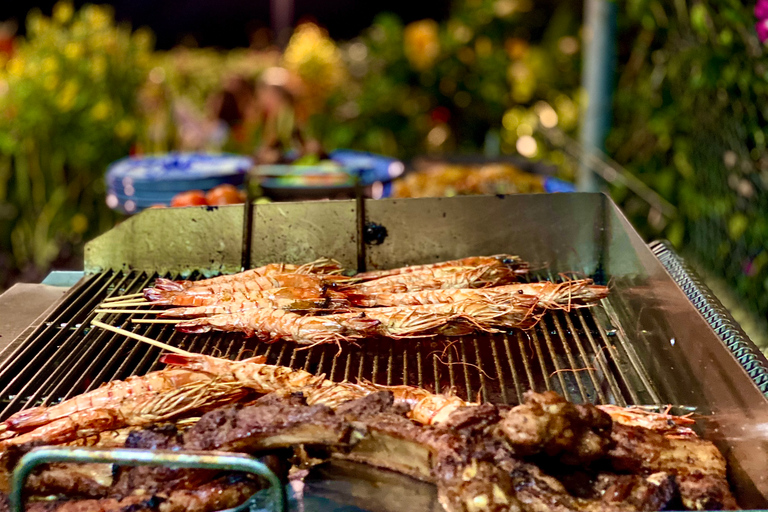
[(421, 44)]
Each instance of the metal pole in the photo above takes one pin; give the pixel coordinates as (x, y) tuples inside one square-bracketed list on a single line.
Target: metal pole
[(597, 81), (282, 20)]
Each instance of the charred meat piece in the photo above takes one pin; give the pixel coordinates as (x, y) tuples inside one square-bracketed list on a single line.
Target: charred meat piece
[(391, 441), (698, 466), (548, 424), (75, 480), (476, 487), (471, 421), (129, 504), (264, 426), (370, 405), (152, 479), (224, 493), (653, 492)]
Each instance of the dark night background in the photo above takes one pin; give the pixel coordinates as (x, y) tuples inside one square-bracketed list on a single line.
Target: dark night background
[(228, 23)]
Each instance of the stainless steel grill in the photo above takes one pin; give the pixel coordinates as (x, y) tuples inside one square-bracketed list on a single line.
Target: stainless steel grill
[(581, 354), (656, 340)]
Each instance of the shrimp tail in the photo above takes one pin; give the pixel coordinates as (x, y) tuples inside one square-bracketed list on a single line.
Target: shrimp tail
[(158, 296), (361, 324), (361, 300), (196, 326), (162, 283), (199, 362)]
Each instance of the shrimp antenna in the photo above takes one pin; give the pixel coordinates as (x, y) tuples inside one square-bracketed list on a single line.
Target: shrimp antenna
[(141, 338)]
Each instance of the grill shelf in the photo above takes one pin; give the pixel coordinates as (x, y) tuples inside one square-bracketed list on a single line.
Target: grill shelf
[(583, 355)]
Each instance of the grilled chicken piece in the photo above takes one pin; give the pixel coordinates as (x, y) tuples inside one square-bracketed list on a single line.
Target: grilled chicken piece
[(548, 424)]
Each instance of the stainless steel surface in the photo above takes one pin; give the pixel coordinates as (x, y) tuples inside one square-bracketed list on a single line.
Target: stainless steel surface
[(136, 457), (647, 343), (20, 307)]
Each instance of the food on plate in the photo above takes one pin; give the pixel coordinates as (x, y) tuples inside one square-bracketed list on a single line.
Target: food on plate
[(224, 194), (189, 198), (440, 179)]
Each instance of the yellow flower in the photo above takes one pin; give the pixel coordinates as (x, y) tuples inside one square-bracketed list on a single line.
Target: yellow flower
[(101, 110), (79, 223), (421, 44), (63, 11), (313, 56), (15, 67), (124, 129), (97, 16), (68, 96), (50, 65), (51, 82), (73, 50), (98, 67)]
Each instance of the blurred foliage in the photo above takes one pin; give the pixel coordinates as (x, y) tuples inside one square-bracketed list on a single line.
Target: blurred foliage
[(481, 79), (690, 111), (67, 109), (690, 120)]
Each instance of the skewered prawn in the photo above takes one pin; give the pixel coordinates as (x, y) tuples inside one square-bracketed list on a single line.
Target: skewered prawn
[(276, 324), (453, 319), (514, 262), (425, 407), (257, 284), (201, 382), (662, 422), (320, 266), (136, 401), (228, 308), (167, 298), (437, 278), (574, 293)]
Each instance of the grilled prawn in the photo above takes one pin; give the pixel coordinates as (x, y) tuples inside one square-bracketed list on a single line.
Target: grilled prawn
[(513, 262), (237, 306), (425, 407), (276, 324), (453, 319), (575, 293), (136, 401), (437, 278), (320, 266)]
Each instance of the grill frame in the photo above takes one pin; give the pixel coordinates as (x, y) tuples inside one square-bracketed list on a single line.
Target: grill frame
[(565, 352), (660, 332)]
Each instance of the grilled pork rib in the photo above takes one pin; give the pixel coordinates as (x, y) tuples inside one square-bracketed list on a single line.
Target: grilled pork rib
[(482, 458)]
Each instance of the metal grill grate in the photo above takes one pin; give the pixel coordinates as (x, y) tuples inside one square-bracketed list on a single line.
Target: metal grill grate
[(583, 355)]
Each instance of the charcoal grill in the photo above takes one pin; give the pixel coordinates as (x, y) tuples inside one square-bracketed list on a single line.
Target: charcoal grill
[(658, 339)]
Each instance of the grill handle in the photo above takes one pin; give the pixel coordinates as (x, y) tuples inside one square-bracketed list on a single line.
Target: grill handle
[(138, 457), (721, 321)]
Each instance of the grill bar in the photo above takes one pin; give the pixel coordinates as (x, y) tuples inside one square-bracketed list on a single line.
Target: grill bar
[(583, 354)]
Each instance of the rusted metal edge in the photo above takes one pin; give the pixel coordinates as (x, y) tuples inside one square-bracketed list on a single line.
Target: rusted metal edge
[(137, 457)]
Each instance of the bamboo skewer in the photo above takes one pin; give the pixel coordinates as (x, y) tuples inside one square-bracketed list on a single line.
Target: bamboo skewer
[(153, 311), (121, 297), (155, 321), (141, 338), (120, 304)]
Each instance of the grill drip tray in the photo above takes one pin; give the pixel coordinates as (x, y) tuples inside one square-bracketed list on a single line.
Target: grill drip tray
[(582, 355)]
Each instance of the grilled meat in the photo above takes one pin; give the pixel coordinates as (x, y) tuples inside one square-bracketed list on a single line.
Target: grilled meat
[(482, 458), (223, 493), (546, 423), (697, 464), (266, 426), (81, 480), (153, 479)]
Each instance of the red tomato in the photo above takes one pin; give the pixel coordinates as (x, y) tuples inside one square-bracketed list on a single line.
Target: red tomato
[(189, 198), (223, 194)]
